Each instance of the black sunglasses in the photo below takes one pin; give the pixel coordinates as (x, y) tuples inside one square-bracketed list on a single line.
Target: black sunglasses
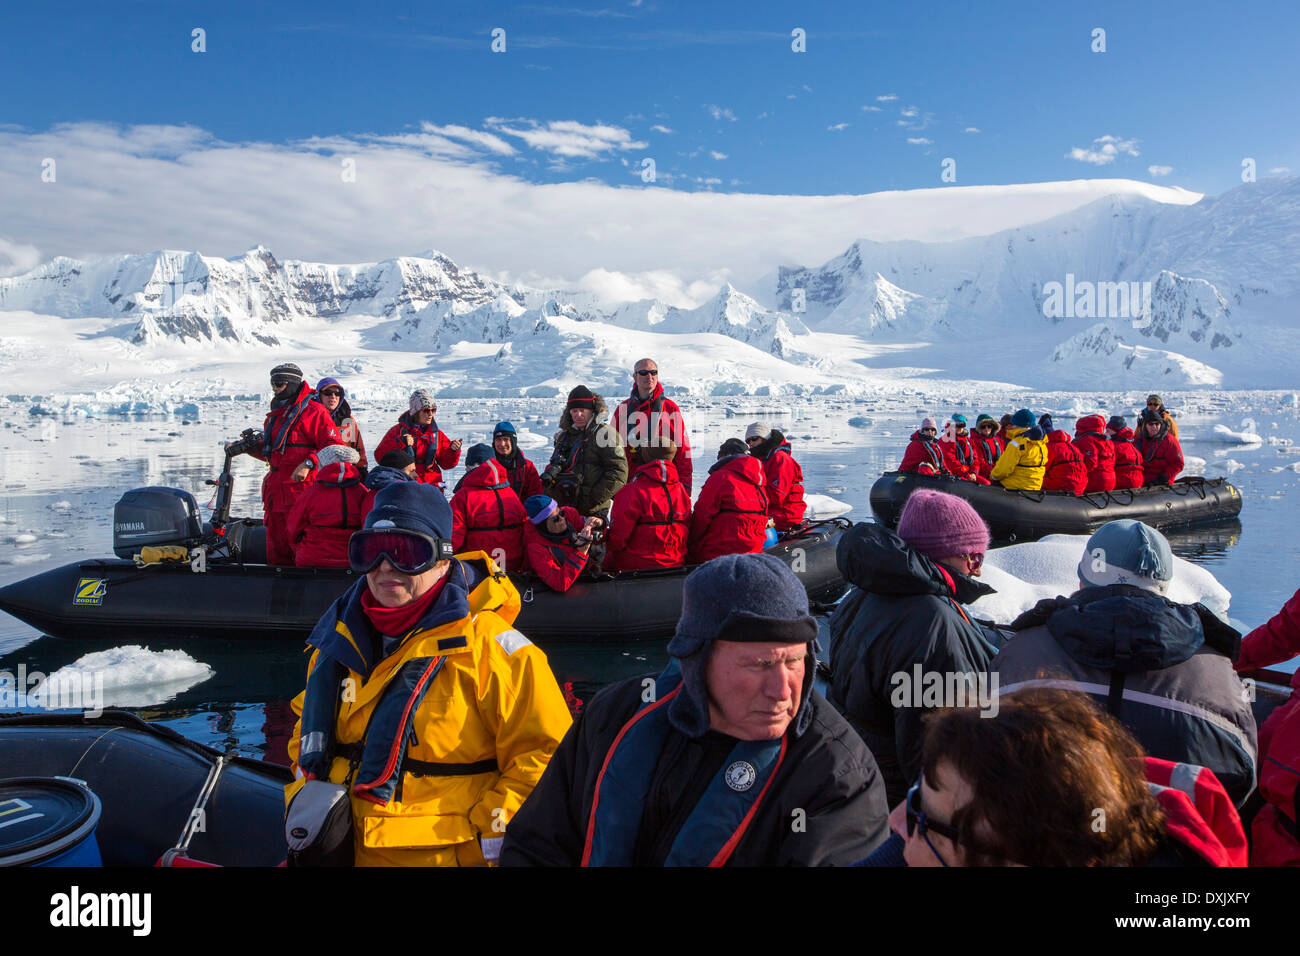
[(647, 371), (332, 391), (917, 820)]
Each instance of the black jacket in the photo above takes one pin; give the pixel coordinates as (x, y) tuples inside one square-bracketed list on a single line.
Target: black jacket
[(902, 612), (828, 774), (1163, 669)]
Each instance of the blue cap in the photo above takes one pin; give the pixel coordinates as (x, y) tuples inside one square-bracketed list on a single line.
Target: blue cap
[(1128, 552), (1023, 419), (959, 417), (503, 428), (478, 454), (412, 506)]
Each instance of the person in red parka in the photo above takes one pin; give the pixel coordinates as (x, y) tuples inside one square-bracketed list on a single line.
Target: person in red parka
[(521, 472), (1098, 452), (1128, 463), (1162, 456), (557, 541), (1273, 832), (328, 511), (785, 504), (417, 432), (335, 399), (486, 514), (1066, 470), (647, 413), (650, 517), (958, 455), (923, 455), (296, 428), (987, 445), (730, 516)]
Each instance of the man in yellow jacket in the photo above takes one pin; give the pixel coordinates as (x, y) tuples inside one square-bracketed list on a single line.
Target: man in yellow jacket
[(1024, 461), (422, 701)]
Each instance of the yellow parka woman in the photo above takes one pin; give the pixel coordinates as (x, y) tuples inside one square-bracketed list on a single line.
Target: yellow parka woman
[(1024, 461), (422, 700)]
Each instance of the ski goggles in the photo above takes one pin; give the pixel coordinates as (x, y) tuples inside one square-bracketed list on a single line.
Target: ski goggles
[(278, 380), (408, 551)]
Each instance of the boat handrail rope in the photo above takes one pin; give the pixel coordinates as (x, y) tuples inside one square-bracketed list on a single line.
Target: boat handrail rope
[(192, 824), (1105, 499)]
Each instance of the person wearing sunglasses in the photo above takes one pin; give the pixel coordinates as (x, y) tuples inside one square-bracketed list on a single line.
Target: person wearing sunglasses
[(904, 615), (1161, 454), (422, 702), (558, 542), (1157, 405), (417, 431), (729, 756), (647, 416), (1028, 786), (296, 428), (785, 502), (332, 395), (988, 445), (924, 456), (588, 464)]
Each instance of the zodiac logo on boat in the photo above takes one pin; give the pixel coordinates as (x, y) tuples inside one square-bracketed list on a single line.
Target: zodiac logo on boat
[(90, 591)]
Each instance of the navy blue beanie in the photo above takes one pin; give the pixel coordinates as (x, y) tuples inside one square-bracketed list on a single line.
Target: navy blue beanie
[(503, 428), (477, 455), (736, 597), (539, 508), (1022, 419), (412, 506), (1034, 434)]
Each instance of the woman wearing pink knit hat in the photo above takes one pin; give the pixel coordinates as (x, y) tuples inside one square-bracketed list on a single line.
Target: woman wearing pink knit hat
[(903, 625)]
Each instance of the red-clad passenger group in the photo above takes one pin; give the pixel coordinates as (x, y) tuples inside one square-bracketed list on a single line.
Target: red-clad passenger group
[(613, 497), (1021, 453)]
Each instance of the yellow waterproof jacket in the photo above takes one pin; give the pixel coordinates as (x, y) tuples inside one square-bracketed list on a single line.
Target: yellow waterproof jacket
[(494, 698), (1023, 463)]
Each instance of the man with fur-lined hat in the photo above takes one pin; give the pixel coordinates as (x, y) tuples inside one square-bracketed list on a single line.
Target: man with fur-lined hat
[(588, 465), (729, 757)]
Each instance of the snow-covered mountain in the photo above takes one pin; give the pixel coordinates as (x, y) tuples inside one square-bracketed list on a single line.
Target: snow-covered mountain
[(1126, 291), (188, 297)]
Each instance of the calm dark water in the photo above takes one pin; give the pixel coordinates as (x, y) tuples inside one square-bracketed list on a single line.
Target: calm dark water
[(58, 483)]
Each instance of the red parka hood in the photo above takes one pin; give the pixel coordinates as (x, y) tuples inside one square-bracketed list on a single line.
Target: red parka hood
[(660, 472), (490, 474), (1057, 437), (1090, 424), (338, 473), (743, 465)]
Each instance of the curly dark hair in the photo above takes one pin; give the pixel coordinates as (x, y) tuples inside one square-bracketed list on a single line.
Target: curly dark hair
[(1054, 782)]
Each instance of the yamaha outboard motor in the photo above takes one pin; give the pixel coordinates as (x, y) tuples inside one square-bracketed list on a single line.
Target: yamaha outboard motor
[(149, 517)]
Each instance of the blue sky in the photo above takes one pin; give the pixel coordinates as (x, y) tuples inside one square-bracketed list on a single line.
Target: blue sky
[(880, 98)]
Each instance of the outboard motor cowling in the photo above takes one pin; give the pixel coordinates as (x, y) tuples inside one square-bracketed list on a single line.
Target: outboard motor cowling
[(149, 517)]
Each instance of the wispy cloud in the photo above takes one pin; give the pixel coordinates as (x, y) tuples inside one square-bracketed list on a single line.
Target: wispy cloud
[(716, 155), (887, 98), (910, 111), (568, 139), (718, 113), (660, 128), (1279, 171), (919, 141), (1160, 170), (873, 109), (478, 137), (838, 126), (972, 129), (1105, 150)]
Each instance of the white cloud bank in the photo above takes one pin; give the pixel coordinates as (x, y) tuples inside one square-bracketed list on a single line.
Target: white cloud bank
[(137, 189), (1105, 150)]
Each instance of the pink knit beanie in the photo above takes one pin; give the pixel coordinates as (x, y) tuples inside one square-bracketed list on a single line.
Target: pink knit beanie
[(940, 525)]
